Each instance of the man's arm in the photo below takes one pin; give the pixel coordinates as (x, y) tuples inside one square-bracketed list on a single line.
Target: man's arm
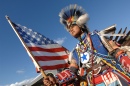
[(63, 77), (120, 55)]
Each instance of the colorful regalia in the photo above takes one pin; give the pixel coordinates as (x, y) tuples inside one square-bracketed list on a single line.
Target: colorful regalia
[(100, 64), (100, 68)]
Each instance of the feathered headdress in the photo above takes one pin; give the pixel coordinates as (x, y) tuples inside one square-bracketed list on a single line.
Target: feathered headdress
[(73, 14)]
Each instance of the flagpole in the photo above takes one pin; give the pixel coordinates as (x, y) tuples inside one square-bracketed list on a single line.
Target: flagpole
[(30, 54)]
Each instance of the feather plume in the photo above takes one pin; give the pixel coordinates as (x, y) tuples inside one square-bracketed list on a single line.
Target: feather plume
[(70, 14)]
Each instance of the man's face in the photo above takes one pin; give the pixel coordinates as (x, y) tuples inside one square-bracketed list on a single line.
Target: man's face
[(75, 31)]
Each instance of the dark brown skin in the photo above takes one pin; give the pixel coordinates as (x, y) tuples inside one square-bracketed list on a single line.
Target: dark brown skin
[(75, 31)]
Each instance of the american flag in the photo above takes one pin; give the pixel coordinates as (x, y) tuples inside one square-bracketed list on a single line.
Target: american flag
[(44, 52)]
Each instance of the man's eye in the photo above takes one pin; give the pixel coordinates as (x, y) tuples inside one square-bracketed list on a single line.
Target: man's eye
[(71, 26)]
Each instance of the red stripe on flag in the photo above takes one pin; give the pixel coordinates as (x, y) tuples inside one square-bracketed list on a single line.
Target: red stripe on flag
[(47, 50), (55, 66), (49, 58)]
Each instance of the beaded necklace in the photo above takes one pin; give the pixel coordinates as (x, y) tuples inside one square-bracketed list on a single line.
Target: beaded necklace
[(83, 46)]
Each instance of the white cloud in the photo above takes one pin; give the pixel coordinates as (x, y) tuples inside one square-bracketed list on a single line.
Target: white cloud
[(25, 83), (60, 40), (20, 71)]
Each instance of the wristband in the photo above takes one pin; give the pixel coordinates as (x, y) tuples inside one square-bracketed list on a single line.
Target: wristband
[(119, 53)]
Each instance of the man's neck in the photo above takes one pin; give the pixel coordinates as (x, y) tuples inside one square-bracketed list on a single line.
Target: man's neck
[(82, 36)]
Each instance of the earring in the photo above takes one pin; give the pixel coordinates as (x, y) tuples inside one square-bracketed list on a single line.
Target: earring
[(82, 31)]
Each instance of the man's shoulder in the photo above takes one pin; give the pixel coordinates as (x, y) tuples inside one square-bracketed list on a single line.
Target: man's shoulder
[(94, 32)]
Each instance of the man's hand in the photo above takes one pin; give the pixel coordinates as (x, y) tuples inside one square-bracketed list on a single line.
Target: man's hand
[(49, 81)]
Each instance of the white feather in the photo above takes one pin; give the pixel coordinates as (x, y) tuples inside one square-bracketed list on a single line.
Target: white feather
[(70, 56), (82, 19)]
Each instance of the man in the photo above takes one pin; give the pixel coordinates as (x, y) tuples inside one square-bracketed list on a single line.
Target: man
[(104, 64)]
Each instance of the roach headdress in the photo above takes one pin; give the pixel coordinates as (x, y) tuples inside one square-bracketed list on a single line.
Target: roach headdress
[(73, 14)]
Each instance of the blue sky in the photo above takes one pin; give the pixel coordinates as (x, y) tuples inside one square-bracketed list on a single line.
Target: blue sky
[(42, 16)]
